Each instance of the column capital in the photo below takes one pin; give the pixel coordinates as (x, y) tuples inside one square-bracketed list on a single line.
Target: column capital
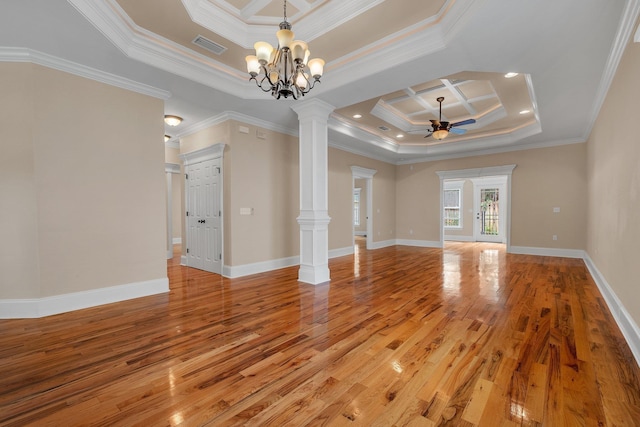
[(313, 108)]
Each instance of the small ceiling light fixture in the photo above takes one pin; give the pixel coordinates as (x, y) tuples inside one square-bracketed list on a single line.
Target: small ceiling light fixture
[(510, 75), (399, 135), (284, 71), (172, 120), (166, 138), (357, 116)]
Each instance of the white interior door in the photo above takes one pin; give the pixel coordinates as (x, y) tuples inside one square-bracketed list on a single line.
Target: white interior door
[(489, 197), (204, 236)]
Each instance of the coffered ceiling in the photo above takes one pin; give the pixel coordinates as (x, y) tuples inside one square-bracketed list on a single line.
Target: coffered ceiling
[(387, 63)]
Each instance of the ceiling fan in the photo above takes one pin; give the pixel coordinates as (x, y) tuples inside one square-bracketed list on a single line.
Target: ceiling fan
[(441, 129)]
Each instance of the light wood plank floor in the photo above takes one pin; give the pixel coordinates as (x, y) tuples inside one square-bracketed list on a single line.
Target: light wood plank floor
[(465, 336)]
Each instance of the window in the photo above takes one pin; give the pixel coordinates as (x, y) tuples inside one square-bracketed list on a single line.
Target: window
[(452, 202), (356, 206)]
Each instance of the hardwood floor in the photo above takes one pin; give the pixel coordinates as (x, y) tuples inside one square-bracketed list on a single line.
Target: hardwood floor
[(465, 336)]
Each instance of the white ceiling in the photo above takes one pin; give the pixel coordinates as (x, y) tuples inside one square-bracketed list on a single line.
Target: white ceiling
[(381, 57)]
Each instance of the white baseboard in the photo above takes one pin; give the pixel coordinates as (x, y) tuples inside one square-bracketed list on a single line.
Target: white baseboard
[(183, 260), (169, 254), (455, 238), (555, 252), (625, 322), (382, 244), (234, 271), (47, 306), (177, 240), (335, 253), (418, 243)]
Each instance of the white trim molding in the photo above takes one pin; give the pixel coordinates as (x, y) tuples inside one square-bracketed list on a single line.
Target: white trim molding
[(235, 271), (418, 243), (207, 153), (48, 306), (454, 238), (18, 54), (625, 322), (554, 252)]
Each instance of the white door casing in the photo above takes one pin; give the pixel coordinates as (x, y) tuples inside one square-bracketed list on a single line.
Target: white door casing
[(203, 201), (505, 171)]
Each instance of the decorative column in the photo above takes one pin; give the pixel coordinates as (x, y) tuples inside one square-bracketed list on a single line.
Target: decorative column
[(313, 116)]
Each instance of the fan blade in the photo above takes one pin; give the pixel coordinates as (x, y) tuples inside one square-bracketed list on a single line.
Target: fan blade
[(458, 131), (464, 122)]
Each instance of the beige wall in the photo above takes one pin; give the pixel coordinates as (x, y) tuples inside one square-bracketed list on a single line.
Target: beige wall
[(613, 226), (261, 174), (543, 179), (89, 162), (19, 263), (340, 198)]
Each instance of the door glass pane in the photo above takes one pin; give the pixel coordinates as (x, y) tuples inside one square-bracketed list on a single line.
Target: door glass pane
[(489, 208)]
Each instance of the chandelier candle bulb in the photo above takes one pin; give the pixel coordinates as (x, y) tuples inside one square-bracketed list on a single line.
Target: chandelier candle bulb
[(285, 37), (253, 66), (263, 51), (316, 65), (298, 49)]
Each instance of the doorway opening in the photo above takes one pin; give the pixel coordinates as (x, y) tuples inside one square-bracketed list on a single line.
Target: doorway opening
[(475, 205), (363, 177)]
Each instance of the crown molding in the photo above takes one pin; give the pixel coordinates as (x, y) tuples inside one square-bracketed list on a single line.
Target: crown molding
[(228, 24), (137, 43), (16, 54), (147, 47), (628, 20), (232, 115)]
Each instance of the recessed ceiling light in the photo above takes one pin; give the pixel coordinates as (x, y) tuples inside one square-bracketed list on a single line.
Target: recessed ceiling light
[(399, 135), (510, 75), (525, 111), (357, 116)]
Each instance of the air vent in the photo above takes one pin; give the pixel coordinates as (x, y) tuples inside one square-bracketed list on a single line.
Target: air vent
[(383, 128), (207, 44)]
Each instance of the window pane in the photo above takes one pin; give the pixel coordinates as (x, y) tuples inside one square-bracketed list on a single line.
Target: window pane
[(452, 198)]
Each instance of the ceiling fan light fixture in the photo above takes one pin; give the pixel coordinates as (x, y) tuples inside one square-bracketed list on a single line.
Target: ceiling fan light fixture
[(440, 134), (172, 120)]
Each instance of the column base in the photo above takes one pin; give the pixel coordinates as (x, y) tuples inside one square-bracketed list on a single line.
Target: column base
[(314, 274)]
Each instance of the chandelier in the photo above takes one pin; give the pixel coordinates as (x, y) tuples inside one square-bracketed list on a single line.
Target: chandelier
[(284, 71)]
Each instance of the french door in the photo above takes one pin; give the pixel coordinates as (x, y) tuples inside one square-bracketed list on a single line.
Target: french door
[(489, 209)]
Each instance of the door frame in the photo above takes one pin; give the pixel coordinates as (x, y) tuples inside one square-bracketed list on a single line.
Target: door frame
[(211, 152), (358, 172), (170, 169), (499, 182), (505, 170)]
